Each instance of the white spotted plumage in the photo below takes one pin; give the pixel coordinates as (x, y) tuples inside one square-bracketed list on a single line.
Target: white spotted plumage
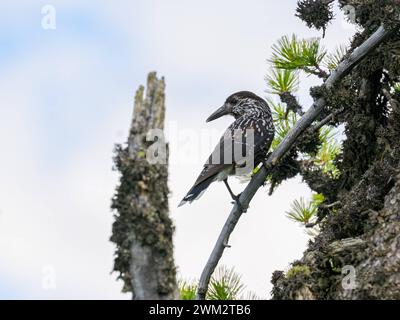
[(250, 112)]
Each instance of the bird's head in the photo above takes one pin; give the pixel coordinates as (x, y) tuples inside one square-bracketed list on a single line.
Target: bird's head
[(239, 104)]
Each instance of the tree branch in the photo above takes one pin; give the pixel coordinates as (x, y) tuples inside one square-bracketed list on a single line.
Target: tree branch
[(319, 72), (326, 120), (259, 178)]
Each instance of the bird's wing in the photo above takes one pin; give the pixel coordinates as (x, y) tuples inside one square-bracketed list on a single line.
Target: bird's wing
[(215, 163), (224, 156)]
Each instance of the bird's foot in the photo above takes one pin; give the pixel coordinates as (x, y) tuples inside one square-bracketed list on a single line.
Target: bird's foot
[(236, 199)]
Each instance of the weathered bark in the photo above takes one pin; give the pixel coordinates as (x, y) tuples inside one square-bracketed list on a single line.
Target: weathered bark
[(143, 229), (363, 233), (374, 255), (356, 255)]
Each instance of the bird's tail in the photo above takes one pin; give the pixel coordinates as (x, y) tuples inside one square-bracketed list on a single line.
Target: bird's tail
[(196, 192)]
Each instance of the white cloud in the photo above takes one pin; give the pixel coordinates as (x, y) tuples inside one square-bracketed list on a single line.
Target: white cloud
[(58, 217)]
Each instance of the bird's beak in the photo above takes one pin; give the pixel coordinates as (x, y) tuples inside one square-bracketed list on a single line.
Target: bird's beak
[(223, 111)]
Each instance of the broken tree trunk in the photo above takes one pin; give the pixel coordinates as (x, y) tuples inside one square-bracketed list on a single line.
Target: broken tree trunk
[(143, 229)]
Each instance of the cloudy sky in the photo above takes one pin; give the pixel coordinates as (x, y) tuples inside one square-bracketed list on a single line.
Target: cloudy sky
[(66, 98)]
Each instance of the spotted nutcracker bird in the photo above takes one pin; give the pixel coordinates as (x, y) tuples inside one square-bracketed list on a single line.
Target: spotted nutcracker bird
[(252, 114)]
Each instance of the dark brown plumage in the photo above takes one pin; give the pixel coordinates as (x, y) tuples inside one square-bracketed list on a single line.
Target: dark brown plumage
[(252, 115)]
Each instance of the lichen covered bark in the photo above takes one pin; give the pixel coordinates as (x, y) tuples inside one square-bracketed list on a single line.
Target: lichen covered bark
[(375, 256), (363, 230), (143, 229)]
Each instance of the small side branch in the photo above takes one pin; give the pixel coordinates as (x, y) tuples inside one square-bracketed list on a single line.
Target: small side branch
[(318, 71), (258, 179), (326, 120)]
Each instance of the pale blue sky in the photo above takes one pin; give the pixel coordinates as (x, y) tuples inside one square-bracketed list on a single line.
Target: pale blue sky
[(66, 97)]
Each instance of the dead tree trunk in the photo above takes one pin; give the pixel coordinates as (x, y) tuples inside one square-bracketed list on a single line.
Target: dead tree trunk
[(143, 229)]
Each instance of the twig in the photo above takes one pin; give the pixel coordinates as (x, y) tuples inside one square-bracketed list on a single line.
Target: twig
[(330, 206), (311, 225), (321, 73), (259, 178), (317, 72), (322, 206), (338, 247), (325, 121)]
